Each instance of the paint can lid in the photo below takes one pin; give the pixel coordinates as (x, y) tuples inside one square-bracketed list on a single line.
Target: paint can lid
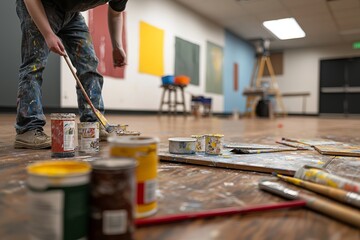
[(198, 136), (114, 164), (182, 139), (214, 135), (59, 168), (61, 116), (132, 140)]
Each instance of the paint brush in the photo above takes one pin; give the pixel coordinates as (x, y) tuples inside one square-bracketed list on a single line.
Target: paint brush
[(337, 194), (335, 210), (217, 213), (321, 176), (108, 127)]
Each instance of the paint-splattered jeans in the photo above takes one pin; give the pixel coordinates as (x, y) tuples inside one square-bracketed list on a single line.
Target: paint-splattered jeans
[(74, 33)]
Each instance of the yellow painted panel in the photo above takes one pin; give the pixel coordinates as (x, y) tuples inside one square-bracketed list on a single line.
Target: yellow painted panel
[(151, 50)]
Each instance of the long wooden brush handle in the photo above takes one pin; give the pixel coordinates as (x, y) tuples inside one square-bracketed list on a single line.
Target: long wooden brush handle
[(88, 100), (335, 193), (328, 207), (344, 213)]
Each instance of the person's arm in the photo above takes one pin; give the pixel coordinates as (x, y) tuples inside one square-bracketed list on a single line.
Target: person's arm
[(115, 22), (37, 13)]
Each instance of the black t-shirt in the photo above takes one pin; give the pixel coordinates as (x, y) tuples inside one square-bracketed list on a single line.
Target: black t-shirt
[(83, 5)]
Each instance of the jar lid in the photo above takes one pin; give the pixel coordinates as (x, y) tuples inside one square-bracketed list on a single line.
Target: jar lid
[(132, 140), (114, 164), (62, 116)]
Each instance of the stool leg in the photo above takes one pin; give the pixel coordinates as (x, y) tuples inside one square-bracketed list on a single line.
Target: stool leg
[(183, 100), (162, 101), (176, 102), (169, 102)]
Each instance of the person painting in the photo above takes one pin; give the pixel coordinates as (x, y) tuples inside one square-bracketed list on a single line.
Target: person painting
[(55, 26)]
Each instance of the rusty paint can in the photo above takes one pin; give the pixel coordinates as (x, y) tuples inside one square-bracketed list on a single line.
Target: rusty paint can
[(58, 195), (214, 144), (144, 150), (88, 137), (62, 135), (112, 201)]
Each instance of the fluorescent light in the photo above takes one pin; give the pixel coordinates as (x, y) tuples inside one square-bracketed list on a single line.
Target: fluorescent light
[(286, 28)]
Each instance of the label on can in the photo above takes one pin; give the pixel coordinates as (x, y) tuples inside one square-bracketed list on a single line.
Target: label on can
[(146, 192), (114, 222), (69, 135), (46, 214)]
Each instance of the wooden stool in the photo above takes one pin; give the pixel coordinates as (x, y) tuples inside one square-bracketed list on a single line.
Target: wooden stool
[(172, 102)]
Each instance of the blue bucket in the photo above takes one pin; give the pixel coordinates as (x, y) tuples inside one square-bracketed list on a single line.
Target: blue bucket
[(166, 80)]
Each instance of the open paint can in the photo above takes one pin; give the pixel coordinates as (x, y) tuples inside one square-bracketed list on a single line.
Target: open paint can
[(144, 151), (62, 135), (200, 143), (214, 144), (112, 199), (88, 137), (58, 195), (180, 145)]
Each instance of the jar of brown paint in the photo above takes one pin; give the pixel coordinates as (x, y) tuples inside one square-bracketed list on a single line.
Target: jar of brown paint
[(112, 199)]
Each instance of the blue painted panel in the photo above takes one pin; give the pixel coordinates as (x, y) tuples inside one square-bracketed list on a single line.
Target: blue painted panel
[(238, 51)]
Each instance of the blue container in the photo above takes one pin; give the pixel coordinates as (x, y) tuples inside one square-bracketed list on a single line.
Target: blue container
[(206, 101), (169, 79)]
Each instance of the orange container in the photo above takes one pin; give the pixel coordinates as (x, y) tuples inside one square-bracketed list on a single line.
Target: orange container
[(182, 80)]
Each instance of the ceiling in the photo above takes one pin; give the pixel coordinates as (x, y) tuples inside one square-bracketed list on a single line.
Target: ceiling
[(325, 22)]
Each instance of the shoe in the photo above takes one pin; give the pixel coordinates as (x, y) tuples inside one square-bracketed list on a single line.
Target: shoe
[(34, 139)]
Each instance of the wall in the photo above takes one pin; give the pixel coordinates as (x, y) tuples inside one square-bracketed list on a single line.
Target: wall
[(301, 74), (141, 91), (241, 52), (10, 59)]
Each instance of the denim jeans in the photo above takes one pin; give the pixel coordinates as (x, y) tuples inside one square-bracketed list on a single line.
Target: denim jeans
[(70, 27)]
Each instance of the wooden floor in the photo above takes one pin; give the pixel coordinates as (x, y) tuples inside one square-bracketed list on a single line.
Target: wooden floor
[(186, 188)]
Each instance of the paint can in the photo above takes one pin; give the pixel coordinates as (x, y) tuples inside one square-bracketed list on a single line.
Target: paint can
[(181, 145), (62, 135), (214, 144), (58, 194), (144, 150), (200, 143), (112, 199), (88, 137)]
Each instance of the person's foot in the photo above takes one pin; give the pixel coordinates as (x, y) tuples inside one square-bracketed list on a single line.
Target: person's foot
[(34, 139)]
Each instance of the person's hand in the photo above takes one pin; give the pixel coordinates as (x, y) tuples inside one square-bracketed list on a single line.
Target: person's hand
[(119, 57), (55, 45)]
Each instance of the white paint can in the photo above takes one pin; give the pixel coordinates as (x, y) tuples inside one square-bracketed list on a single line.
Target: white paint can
[(88, 136), (200, 143), (182, 145), (214, 144)]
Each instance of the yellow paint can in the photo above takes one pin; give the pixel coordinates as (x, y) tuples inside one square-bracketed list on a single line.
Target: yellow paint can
[(144, 150), (58, 194)]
